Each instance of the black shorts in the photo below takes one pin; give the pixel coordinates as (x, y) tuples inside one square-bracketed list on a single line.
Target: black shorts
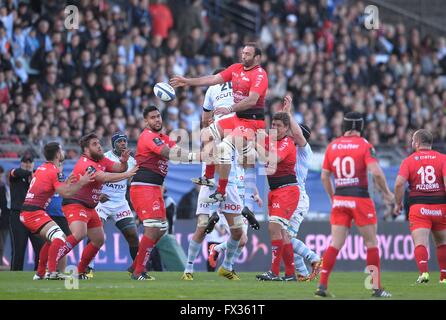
[(62, 223)]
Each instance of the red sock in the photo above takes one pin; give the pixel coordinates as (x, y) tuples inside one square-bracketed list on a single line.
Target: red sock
[(288, 259), (328, 263), (441, 256), (88, 254), (276, 249), (222, 183), (210, 171), (145, 248), (70, 243), (421, 256), (43, 259), (53, 254), (373, 260)]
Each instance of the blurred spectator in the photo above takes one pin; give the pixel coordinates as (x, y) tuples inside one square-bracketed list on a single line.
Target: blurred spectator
[(4, 214)]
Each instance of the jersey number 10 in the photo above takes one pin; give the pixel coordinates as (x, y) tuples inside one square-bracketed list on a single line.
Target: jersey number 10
[(345, 168)]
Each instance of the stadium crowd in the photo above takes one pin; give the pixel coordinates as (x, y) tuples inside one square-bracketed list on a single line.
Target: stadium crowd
[(59, 84)]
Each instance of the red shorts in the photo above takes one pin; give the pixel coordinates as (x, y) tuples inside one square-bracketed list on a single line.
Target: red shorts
[(34, 221), (429, 216), (77, 212), (345, 209), (282, 202), (240, 127), (148, 202)]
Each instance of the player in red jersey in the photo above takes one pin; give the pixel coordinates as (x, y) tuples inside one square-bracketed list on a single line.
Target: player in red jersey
[(153, 151), (425, 171), (349, 158), (283, 197), (79, 208), (46, 181), (249, 85)]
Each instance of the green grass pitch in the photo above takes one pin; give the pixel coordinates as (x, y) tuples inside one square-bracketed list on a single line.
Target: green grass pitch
[(117, 285)]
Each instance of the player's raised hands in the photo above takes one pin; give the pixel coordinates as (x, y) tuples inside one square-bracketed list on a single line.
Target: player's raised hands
[(178, 81), (87, 178), (287, 103), (132, 172), (389, 198), (125, 155), (397, 209)]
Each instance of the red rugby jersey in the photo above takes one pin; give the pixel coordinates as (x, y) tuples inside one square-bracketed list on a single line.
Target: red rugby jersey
[(347, 158), (245, 81), (89, 194), (424, 170), (46, 179), (285, 173)]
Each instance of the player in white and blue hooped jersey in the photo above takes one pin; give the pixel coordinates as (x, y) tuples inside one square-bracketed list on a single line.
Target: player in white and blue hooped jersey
[(302, 253)]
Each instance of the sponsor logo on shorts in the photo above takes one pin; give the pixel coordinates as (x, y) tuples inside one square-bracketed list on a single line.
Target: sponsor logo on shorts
[(232, 207), (428, 212), (370, 215), (124, 214), (82, 213), (156, 206), (344, 204), (276, 205)]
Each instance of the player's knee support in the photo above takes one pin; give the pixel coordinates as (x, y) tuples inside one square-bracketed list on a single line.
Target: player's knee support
[(202, 221), (125, 224), (237, 222), (225, 151), (163, 225), (55, 233), (284, 223)]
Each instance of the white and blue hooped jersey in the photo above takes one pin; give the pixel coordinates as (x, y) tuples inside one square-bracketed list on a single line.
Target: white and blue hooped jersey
[(116, 190), (303, 160)]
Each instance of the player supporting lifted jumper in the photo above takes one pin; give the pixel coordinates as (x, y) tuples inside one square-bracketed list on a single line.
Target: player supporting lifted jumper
[(249, 84), (349, 158), (425, 171)]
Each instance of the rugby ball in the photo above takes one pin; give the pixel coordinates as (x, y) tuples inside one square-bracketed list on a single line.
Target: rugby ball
[(164, 91)]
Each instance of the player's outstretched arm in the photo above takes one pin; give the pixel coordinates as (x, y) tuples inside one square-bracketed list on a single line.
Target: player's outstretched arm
[(298, 135), (326, 182), (69, 188), (178, 81), (380, 179), (179, 154), (399, 194), (122, 165), (104, 177)]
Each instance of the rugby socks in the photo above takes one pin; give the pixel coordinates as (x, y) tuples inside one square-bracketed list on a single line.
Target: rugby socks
[(302, 250), (373, 260), (421, 257), (88, 254), (53, 253), (192, 253), (441, 256), (145, 248), (133, 252), (209, 172), (288, 259), (70, 243), (300, 266), (43, 259), (220, 247), (327, 266), (231, 248), (222, 183), (237, 254), (276, 250), (250, 187)]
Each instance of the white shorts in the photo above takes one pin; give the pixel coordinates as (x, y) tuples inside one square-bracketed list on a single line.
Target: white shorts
[(299, 215), (116, 213), (233, 204)]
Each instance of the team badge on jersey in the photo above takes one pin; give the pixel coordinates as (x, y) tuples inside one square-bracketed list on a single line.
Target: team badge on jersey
[(158, 141), (373, 152), (60, 177)]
